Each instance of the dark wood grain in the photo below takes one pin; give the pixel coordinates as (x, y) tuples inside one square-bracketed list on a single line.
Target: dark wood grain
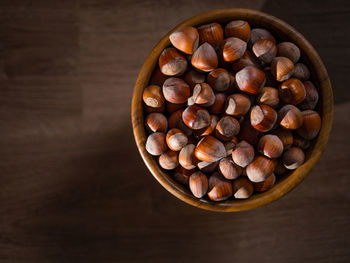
[(73, 186)]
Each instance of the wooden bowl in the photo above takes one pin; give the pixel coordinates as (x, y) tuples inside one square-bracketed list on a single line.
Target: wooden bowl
[(319, 76)]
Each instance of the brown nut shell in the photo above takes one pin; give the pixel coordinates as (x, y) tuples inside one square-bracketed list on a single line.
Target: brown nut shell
[(185, 39), (271, 146), (205, 58), (242, 188), (311, 125), (219, 79), (172, 62), (243, 154), (263, 117), (198, 184), (226, 128), (229, 169), (265, 50), (237, 105), (288, 50), (168, 160), (268, 96), (176, 139), (219, 188), (265, 185), (250, 79), (187, 159), (219, 104), (311, 99), (155, 143), (176, 90), (290, 117), (156, 122), (153, 97), (292, 91), (211, 33), (293, 158), (239, 29), (202, 95), (196, 117), (260, 169), (210, 149), (282, 68), (233, 49)]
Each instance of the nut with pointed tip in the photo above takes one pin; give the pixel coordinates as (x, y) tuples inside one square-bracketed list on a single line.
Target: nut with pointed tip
[(193, 77), (265, 185), (242, 188), (248, 133), (292, 91), (237, 105), (219, 79), (280, 169), (182, 175), (290, 117), (263, 118), (260, 33), (293, 158), (311, 125), (196, 117), (271, 146), (219, 188), (172, 107), (153, 97), (155, 143), (301, 72), (246, 60), (158, 78), (168, 160), (176, 90), (282, 68), (208, 130), (243, 154), (260, 168), (185, 39), (230, 146), (198, 184), (175, 121), (176, 139), (300, 142), (226, 128), (219, 104), (285, 136), (232, 49), (265, 50), (211, 33), (311, 98), (208, 168), (210, 149), (229, 169), (250, 79), (202, 95), (268, 96), (288, 50), (205, 58), (172, 62), (156, 122), (187, 159), (239, 29)]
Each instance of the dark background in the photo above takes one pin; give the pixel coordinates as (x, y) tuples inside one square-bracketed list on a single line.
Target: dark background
[(73, 187)]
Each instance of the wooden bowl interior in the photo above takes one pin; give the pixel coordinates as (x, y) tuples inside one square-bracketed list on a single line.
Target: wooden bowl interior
[(283, 32)]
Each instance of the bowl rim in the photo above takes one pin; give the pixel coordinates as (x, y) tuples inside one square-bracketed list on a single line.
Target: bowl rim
[(285, 185)]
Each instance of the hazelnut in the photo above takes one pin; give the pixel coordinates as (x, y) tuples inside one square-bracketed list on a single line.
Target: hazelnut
[(211, 33), (301, 72), (300, 142), (226, 128), (182, 175), (292, 91), (250, 79), (155, 143), (207, 168), (233, 49), (205, 58), (210, 149), (185, 39), (270, 146), (260, 168), (176, 139), (198, 184), (242, 188), (156, 122), (192, 78), (230, 145), (246, 60), (239, 29), (268, 96), (219, 188), (187, 158), (311, 98), (229, 169), (263, 117), (237, 105), (282, 68), (153, 97), (196, 117), (288, 50), (175, 121), (219, 79), (202, 95), (265, 185), (243, 154), (172, 62), (176, 90), (219, 104), (290, 117), (311, 124), (265, 50), (285, 136), (293, 158), (208, 130), (260, 33), (168, 160)]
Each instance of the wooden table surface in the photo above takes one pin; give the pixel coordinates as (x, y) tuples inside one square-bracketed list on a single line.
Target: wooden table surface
[(73, 187)]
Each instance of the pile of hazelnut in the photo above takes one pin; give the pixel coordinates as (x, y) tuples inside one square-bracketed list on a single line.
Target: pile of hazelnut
[(228, 109)]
